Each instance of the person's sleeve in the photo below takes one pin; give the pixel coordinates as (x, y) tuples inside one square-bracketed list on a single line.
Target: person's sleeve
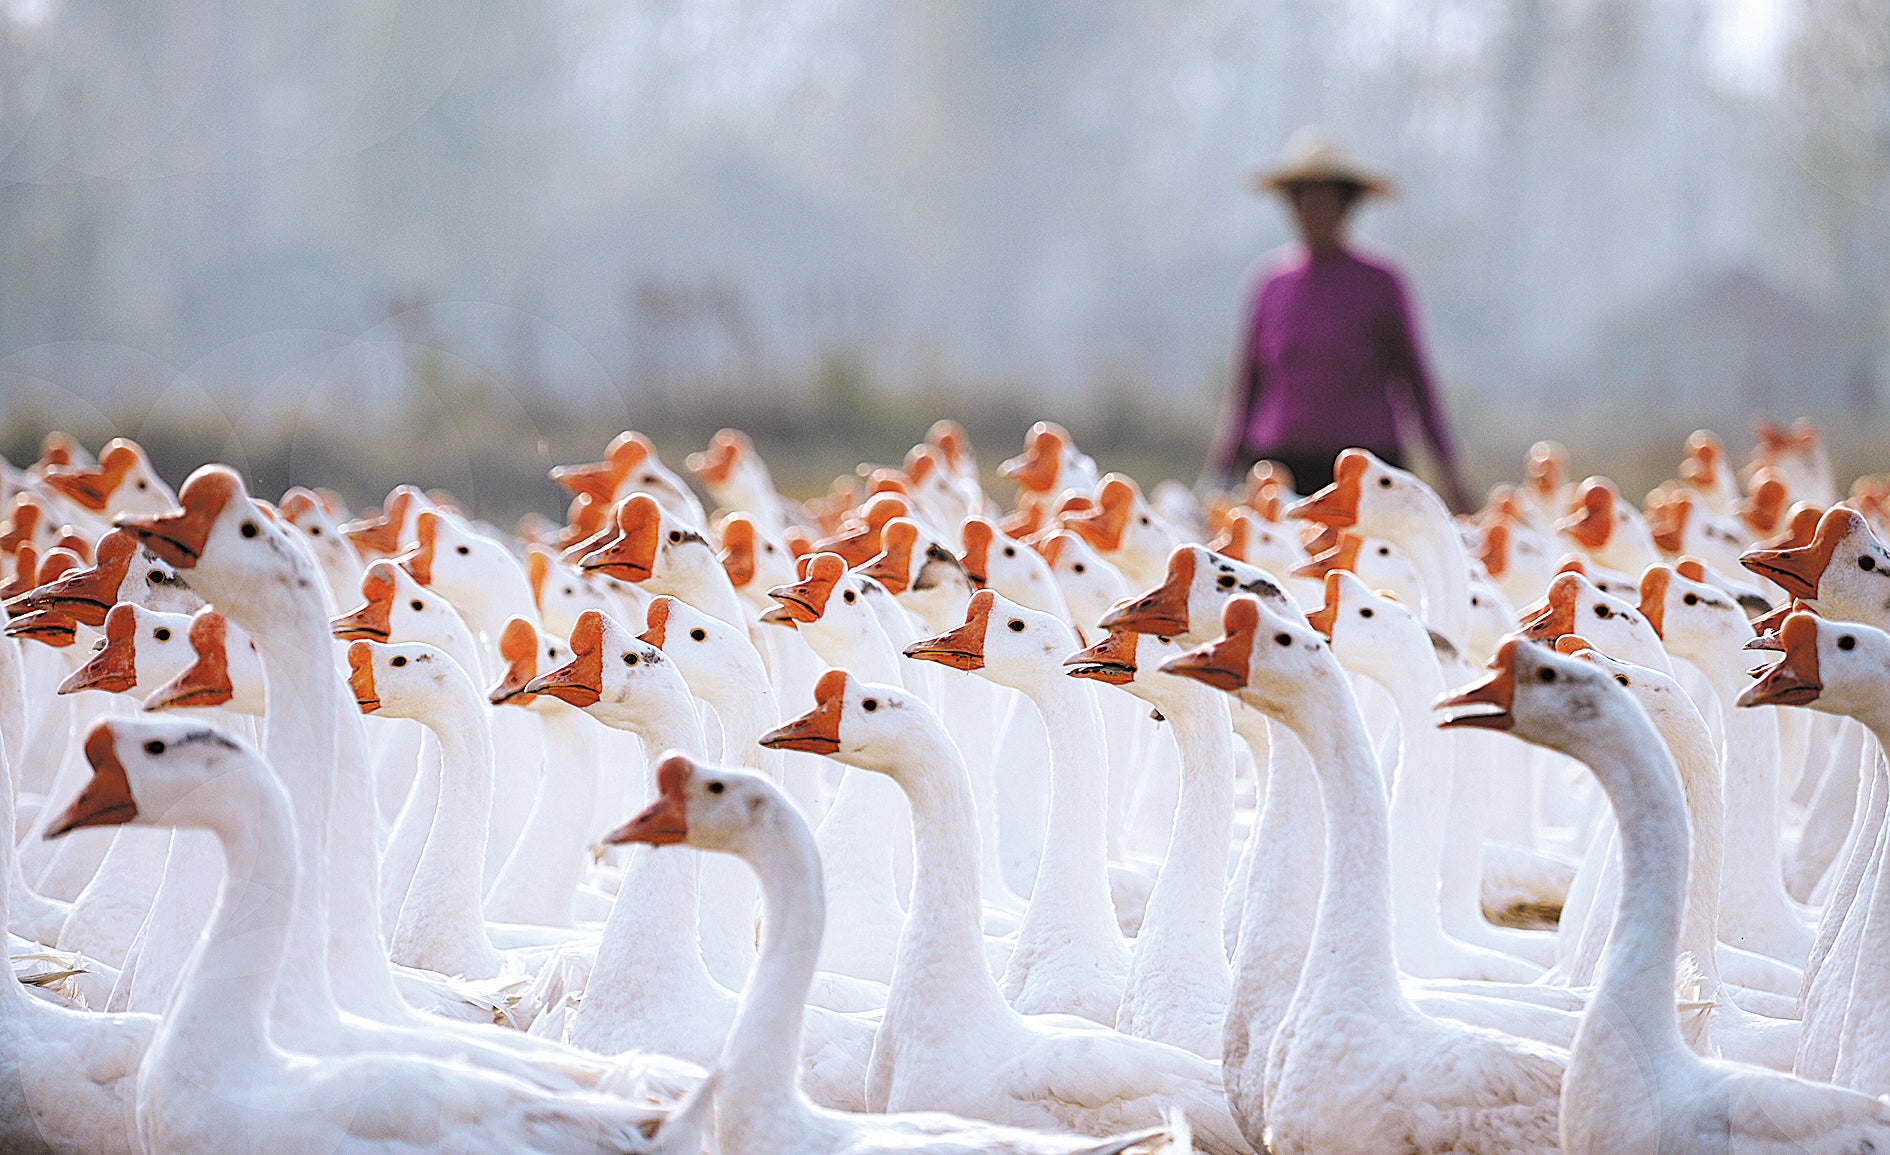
[(1405, 355), (1244, 390)]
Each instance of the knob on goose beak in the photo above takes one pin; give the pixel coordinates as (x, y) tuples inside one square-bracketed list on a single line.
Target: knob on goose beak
[(106, 799), (1794, 681), (818, 730), (806, 600), (580, 681), (372, 620), (86, 595), (1485, 705), (1336, 504), (630, 554), (961, 648), (1111, 660), (665, 821), (1225, 662), (892, 566), (1162, 611), (1653, 605), (1798, 571), (518, 648), (179, 537), (207, 681), (114, 668)]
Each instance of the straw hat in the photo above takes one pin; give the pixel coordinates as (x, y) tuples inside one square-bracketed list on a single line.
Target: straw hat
[(1311, 156)]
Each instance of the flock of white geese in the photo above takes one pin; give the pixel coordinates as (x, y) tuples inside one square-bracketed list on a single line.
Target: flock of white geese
[(899, 822)]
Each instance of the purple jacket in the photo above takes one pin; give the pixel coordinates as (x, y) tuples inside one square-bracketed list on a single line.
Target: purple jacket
[(1329, 339)]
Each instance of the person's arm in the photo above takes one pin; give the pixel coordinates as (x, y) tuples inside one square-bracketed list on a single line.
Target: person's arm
[(1242, 393), (1406, 362)]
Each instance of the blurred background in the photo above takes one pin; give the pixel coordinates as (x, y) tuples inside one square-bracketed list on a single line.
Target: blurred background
[(458, 241)]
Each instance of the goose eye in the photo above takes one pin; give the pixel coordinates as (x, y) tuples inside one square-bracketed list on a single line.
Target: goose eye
[(716, 787), (769, 547), (699, 634), (154, 747), (1691, 599), (1227, 581), (314, 531), (1545, 674), (1847, 642), (1283, 639), (553, 651), (153, 577), (462, 551), (1866, 562), (675, 535), (1078, 567), (143, 485), (162, 633), (1010, 551), (1017, 625), (1366, 612), (1603, 612), (848, 597), (1476, 601), (649, 479), (1384, 483), (248, 529), (870, 704), (1621, 678), (401, 661), (1143, 519), (1384, 551), (629, 659), (568, 591), (418, 604)]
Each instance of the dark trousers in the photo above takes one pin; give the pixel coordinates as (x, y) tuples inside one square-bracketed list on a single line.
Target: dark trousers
[(1311, 470)]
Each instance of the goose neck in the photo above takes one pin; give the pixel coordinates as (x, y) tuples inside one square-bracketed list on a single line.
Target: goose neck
[(1075, 862), (762, 1058), (1195, 871)]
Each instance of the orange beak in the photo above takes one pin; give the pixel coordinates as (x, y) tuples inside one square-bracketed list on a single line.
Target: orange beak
[(1653, 605), (1794, 680), (1572, 644), (630, 555), (977, 536), (374, 537), (361, 677), (87, 595), (1798, 571), (372, 621), (961, 648), (738, 549), (1343, 556), (1763, 510), (418, 561), (179, 537), (1111, 660), (1102, 526), (207, 681), (47, 627), (1554, 616), (1223, 663), (1326, 617), (581, 680), (1496, 692), (1163, 611), (1037, 469), (806, 600), (115, 667), (1336, 504), (593, 481), (664, 822), (106, 799), (1592, 523), (518, 647), (818, 730), (715, 464), (1667, 523), (1493, 549), (892, 566)]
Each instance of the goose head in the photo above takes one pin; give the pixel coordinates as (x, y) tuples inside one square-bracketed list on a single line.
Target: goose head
[(1797, 455), (1380, 564), (139, 650), (122, 571), (631, 465), (1708, 472), (1574, 605), (395, 607), (829, 605), (1832, 667), (1375, 635), (526, 652), (1668, 705), (1249, 536), (650, 543), (1843, 571), (921, 572), (1010, 644), (1518, 558), (307, 514), (709, 808), (615, 677), (467, 568), (715, 657), (858, 537), (1047, 464), (224, 669), (1276, 664), (1696, 621), (1545, 490), (1187, 605), (382, 534), (996, 560), (1124, 527), (860, 724), (1492, 618), (1370, 496), (123, 481), (1607, 528), (28, 523), (729, 468), (405, 680), (1551, 700), (51, 627), (560, 592), (237, 554), (166, 772), (1680, 525), (754, 560), (1131, 661), (1089, 584)]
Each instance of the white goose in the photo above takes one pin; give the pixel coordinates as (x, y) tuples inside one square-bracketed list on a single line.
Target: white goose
[(1632, 1084), (1355, 1067), (760, 1108), (950, 1041)]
